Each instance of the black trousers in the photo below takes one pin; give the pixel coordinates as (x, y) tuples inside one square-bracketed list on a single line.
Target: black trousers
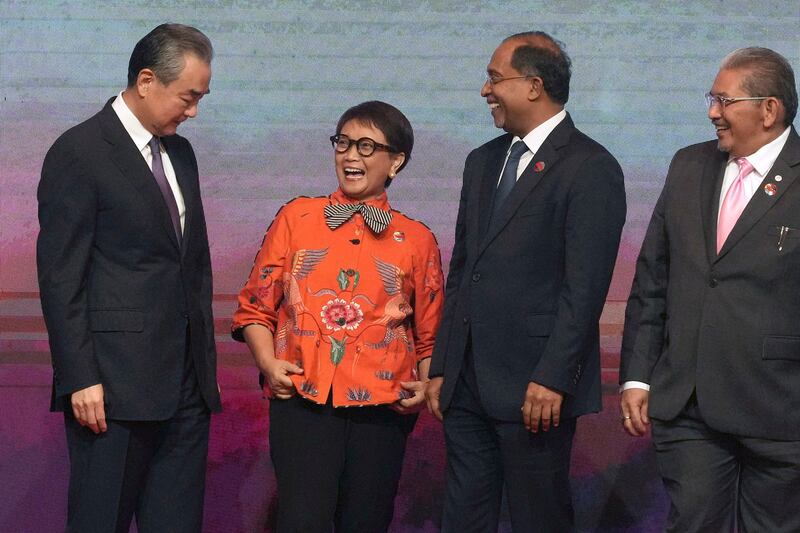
[(153, 470), (714, 479), (485, 455), (336, 467)]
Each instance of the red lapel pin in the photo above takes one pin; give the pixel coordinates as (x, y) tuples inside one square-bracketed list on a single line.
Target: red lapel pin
[(538, 166)]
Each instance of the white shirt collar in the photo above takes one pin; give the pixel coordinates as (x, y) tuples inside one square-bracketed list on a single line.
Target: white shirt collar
[(535, 139), (138, 133), (763, 158)]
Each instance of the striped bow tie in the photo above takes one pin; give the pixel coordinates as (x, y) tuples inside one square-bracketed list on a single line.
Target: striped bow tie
[(376, 219)]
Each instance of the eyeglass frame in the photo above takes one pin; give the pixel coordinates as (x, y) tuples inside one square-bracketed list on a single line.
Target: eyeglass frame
[(725, 101), (375, 145), (494, 80)]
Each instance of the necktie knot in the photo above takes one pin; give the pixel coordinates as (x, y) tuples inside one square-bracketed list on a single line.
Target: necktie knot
[(517, 150), (509, 177), (376, 219), (745, 167)]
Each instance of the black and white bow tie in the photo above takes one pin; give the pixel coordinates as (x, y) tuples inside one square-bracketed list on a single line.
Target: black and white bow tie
[(376, 219)]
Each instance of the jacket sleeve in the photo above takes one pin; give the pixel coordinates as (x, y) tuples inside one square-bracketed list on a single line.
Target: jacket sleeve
[(593, 225), (261, 296), (428, 297), (646, 312), (68, 201), (455, 272)]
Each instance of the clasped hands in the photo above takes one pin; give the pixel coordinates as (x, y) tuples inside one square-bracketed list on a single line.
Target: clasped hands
[(278, 371)]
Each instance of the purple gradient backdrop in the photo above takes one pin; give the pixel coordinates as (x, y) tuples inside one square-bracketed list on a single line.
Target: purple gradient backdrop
[(284, 70)]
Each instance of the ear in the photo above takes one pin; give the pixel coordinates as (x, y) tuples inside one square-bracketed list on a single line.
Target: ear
[(772, 112), (397, 162), (537, 88), (144, 81)]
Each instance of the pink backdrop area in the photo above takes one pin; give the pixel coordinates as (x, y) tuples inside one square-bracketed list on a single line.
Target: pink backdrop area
[(613, 477)]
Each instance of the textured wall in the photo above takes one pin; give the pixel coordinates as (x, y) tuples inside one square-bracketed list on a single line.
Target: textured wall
[(283, 72)]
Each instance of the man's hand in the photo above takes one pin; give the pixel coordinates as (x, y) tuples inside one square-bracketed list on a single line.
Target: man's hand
[(633, 405), (542, 405), (88, 408), (415, 402), (277, 372), (432, 391)]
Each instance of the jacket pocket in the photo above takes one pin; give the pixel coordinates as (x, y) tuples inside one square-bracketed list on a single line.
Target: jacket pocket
[(536, 209), (116, 320), (781, 347), (540, 325)]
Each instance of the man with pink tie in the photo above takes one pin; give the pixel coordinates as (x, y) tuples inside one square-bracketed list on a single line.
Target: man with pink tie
[(711, 347)]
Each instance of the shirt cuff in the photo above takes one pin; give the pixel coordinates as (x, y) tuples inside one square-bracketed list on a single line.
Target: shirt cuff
[(634, 385)]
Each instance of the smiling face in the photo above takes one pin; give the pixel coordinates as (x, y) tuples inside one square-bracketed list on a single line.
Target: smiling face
[(509, 100), (162, 108), (740, 125), (363, 178)]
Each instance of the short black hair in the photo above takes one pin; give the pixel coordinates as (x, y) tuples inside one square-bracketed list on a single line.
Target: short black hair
[(163, 50), (550, 63), (389, 120)]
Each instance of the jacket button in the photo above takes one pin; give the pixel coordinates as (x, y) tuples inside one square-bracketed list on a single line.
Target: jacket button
[(466, 320), (476, 277), (712, 282)]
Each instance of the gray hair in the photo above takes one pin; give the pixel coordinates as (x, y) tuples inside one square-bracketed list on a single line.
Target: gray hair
[(769, 74), (163, 51)]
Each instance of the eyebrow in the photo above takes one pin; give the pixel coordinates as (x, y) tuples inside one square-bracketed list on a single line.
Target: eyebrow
[(195, 92)]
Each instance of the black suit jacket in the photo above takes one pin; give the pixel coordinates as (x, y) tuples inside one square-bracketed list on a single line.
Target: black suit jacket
[(118, 293), (724, 325), (527, 288)]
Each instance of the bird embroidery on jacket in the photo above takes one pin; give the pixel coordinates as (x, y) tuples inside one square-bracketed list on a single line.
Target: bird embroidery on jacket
[(397, 309), (303, 263)]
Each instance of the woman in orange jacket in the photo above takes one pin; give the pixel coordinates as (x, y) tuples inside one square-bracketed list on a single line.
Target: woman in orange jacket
[(340, 312)]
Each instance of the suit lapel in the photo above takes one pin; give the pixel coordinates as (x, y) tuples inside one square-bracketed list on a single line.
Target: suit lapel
[(133, 166), (530, 178), (182, 173), (710, 187), (785, 166), (490, 174)]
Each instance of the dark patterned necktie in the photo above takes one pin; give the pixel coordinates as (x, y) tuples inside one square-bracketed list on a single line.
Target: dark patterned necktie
[(166, 190), (376, 219), (509, 177)]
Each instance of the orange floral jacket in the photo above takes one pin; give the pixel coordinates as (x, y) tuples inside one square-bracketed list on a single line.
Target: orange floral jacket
[(357, 311)]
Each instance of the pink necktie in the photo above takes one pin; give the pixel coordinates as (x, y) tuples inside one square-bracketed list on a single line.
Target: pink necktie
[(734, 203)]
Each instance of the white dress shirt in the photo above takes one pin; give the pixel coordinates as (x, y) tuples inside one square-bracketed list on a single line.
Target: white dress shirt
[(534, 141), (762, 161), (141, 137)]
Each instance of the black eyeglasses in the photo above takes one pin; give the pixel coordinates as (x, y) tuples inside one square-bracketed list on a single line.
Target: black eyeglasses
[(365, 146), (494, 79)]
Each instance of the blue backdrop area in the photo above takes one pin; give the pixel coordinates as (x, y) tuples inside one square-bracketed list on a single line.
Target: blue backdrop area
[(283, 73)]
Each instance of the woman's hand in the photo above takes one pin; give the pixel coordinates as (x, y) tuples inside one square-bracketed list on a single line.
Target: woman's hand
[(413, 404), (276, 372)]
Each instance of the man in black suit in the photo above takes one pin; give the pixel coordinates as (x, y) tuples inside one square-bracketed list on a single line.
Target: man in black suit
[(711, 347), (125, 280), (517, 354)]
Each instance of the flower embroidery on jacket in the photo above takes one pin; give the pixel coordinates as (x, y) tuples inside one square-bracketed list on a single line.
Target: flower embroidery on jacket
[(338, 314)]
